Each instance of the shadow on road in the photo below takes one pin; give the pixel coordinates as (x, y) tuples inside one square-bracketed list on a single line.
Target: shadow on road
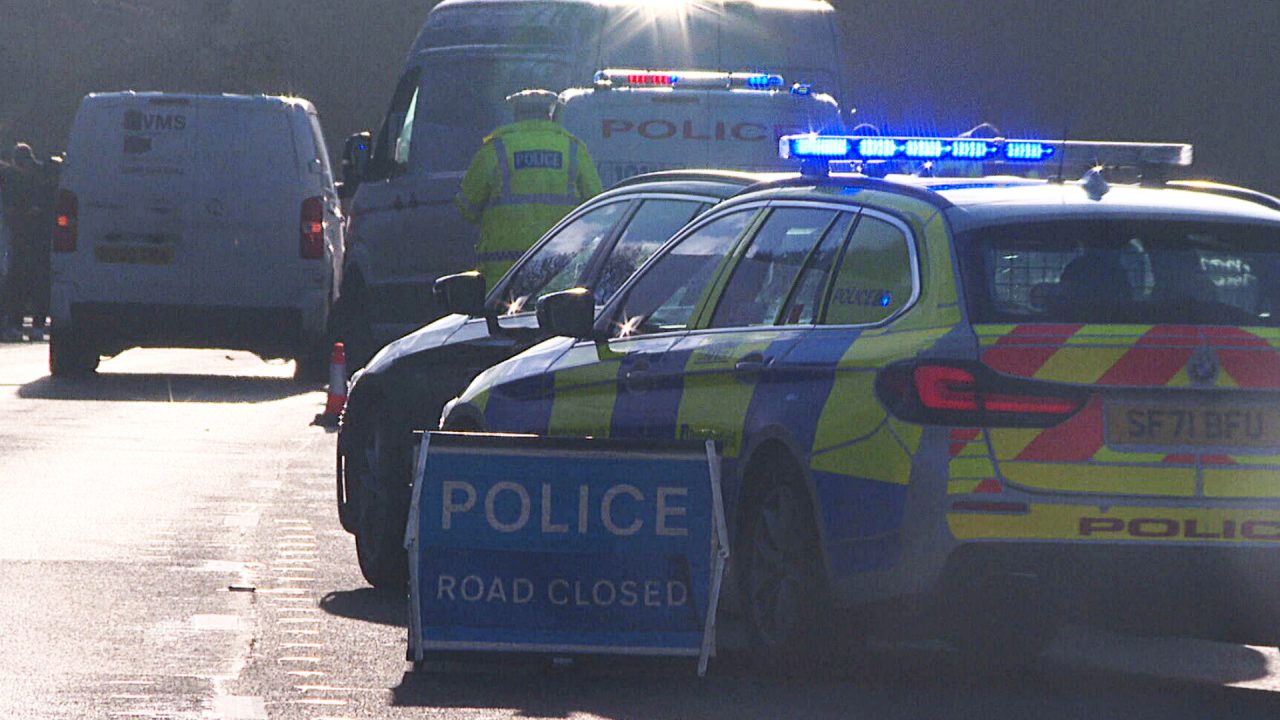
[(368, 604), (885, 686), (166, 387)]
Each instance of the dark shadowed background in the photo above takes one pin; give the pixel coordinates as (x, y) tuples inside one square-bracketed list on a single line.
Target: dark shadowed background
[(1203, 71)]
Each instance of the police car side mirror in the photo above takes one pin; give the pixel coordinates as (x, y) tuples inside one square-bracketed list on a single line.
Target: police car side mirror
[(355, 159), (461, 293), (571, 313)]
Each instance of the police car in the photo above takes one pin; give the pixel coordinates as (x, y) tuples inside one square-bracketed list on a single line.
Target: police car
[(991, 403), (404, 386)]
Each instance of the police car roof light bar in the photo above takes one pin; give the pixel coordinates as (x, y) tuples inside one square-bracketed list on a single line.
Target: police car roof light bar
[(994, 150), (700, 79)]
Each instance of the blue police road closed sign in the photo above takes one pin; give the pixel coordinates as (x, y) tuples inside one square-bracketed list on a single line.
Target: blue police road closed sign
[(572, 546)]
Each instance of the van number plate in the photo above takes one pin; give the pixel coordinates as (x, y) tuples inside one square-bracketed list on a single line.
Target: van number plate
[(1211, 425), (134, 254)]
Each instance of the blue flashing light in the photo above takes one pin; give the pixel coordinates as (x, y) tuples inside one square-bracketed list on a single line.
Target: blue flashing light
[(877, 147), (1027, 150), (972, 149), (764, 81), (818, 146), (801, 89), (886, 300), (922, 149)]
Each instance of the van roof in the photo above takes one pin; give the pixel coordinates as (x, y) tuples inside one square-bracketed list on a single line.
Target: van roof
[(190, 98), (811, 5)]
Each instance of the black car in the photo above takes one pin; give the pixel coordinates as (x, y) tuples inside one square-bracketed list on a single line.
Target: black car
[(405, 386)]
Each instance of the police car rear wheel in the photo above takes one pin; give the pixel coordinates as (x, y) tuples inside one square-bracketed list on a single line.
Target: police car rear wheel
[(383, 508), (786, 597)]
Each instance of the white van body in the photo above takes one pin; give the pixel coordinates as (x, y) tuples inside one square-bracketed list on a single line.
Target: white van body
[(404, 231), (198, 224), (5, 243)]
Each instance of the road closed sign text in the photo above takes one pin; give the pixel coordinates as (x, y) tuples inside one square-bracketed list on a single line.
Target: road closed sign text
[(528, 544)]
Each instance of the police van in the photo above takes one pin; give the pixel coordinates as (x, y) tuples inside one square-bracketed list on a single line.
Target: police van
[(992, 403), (194, 221), (404, 231), (639, 121)]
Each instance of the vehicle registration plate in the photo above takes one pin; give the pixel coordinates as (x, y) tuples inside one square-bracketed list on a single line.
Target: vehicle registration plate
[(1250, 426), (134, 254)]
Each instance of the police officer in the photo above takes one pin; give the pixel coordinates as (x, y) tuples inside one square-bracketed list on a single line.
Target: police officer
[(524, 179), (26, 198)]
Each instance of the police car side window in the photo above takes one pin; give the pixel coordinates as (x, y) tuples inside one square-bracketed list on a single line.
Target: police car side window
[(665, 296), (806, 299), (763, 279), (559, 263), (652, 225), (874, 279)]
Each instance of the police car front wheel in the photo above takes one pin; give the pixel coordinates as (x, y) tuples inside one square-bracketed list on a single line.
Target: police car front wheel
[(785, 593)]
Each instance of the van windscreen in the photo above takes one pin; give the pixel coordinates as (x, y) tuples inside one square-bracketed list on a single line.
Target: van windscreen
[(462, 100), (1122, 271)]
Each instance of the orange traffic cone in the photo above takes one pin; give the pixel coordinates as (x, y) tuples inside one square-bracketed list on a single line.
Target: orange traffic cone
[(337, 388)]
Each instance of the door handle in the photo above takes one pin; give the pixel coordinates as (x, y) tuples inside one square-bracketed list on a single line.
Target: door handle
[(636, 378), (749, 366)]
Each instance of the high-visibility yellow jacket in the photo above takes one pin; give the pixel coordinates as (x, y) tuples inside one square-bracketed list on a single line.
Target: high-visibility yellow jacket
[(524, 179)]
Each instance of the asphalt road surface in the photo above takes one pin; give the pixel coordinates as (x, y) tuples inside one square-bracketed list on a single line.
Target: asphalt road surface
[(169, 549)]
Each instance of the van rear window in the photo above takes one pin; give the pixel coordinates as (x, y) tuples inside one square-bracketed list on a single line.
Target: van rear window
[(1122, 271)]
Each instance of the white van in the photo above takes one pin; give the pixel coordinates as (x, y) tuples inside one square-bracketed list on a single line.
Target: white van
[(404, 231), (194, 221)]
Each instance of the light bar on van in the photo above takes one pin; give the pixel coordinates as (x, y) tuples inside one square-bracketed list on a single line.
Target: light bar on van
[(693, 79), (1067, 152)]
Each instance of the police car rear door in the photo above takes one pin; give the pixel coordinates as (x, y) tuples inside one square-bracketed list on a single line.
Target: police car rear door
[(767, 303)]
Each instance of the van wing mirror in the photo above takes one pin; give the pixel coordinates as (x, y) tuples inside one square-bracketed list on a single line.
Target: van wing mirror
[(461, 293), (355, 159), (571, 313)]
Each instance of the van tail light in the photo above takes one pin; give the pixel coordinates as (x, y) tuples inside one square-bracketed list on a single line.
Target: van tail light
[(312, 238), (66, 221), (971, 394)]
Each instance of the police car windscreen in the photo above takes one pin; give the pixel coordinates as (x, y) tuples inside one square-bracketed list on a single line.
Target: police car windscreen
[(464, 100), (1122, 271)]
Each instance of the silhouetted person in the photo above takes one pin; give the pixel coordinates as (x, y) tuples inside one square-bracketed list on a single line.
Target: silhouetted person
[(28, 200)]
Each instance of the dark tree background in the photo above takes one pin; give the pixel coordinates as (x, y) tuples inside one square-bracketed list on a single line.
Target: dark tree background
[(1203, 71)]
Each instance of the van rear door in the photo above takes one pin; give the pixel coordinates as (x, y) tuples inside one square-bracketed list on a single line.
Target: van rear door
[(243, 242), (132, 165)]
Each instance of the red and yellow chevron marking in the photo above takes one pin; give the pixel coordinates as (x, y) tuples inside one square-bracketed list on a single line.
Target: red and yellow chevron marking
[(1131, 355), (1073, 456)]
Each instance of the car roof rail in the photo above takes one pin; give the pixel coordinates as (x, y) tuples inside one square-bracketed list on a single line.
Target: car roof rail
[(696, 175), (1233, 191), (853, 182)]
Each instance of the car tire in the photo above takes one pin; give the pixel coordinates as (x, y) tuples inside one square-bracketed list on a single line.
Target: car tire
[(383, 507), (71, 352), (785, 593)]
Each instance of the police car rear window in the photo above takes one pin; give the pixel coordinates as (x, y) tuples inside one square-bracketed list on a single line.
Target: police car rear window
[(1122, 271)]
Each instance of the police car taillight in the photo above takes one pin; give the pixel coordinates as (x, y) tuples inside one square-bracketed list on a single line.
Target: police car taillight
[(66, 221), (973, 395), (312, 240)]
